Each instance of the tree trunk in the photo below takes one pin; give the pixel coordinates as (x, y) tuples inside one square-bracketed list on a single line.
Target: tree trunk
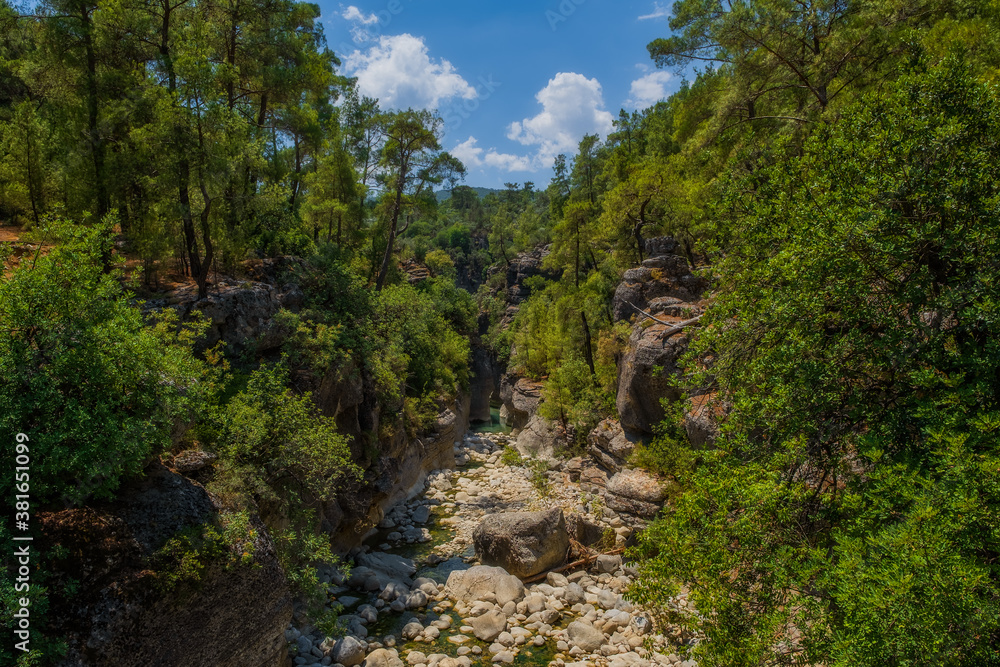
[(588, 353)]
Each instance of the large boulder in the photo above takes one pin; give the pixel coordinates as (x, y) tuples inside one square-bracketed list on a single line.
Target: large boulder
[(520, 397), (609, 445), (645, 374), (388, 568), (635, 492), (490, 584), (523, 543), (540, 438)]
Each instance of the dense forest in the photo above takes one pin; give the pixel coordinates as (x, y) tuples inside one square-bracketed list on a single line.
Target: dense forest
[(831, 168)]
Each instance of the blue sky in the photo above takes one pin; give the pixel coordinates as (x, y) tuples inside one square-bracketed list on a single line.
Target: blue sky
[(516, 82)]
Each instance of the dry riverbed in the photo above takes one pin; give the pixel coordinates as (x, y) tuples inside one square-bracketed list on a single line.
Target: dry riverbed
[(417, 597)]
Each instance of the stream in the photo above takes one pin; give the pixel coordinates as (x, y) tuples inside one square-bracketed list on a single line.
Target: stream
[(397, 611)]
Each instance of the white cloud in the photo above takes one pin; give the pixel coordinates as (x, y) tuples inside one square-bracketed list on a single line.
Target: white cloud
[(648, 90), (400, 73), (659, 12), (352, 13), (472, 155), (572, 106)]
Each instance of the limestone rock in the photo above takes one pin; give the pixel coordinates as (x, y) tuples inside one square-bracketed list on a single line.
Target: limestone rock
[(493, 584), (585, 636), (520, 397), (540, 438), (644, 376), (663, 274), (489, 626), (523, 543), (348, 652), (609, 446), (383, 658), (637, 485), (193, 460), (118, 615)]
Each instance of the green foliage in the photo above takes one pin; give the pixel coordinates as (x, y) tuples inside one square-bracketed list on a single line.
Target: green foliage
[(97, 390), (417, 343), (855, 490), (299, 550), (183, 560), (511, 457), (276, 440)]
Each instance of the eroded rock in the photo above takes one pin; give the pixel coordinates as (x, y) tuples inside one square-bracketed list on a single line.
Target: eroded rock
[(523, 543)]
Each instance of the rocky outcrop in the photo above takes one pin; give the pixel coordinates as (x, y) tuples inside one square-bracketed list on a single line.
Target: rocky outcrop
[(239, 313), (398, 472), (663, 274), (540, 438), (523, 543), (665, 288), (132, 608), (645, 376), (523, 266), (521, 398), (635, 492), (609, 445)]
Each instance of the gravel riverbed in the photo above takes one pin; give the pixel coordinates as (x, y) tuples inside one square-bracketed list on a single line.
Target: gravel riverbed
[(417, 596)]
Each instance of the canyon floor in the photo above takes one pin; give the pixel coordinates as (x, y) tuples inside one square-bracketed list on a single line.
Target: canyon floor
[(417, 595)]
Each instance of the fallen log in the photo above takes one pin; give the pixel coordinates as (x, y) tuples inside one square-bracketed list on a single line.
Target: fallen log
[(573, 565)]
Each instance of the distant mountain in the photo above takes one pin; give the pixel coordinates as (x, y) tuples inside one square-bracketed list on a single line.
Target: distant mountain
[(443, 195)]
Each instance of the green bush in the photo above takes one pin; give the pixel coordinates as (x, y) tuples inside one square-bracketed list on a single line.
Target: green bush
[(95, 388), (851, 513), (275, 441)]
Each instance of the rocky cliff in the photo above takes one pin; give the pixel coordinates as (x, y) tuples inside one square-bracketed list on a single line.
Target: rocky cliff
[(133, 607), (665, 288)]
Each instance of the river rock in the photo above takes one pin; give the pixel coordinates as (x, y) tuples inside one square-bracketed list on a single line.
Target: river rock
[(489, 626), (388, 567), (608, 564), (412, 630), (348, 652), (585, 636), (421, 514), (493, 584), (523, 543), (383, 658)]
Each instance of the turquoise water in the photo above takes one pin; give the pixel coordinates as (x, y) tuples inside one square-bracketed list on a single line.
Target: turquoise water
[(494, 425)]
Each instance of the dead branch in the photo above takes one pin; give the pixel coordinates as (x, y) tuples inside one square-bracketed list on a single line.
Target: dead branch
[(570, 566), (674, 327)]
